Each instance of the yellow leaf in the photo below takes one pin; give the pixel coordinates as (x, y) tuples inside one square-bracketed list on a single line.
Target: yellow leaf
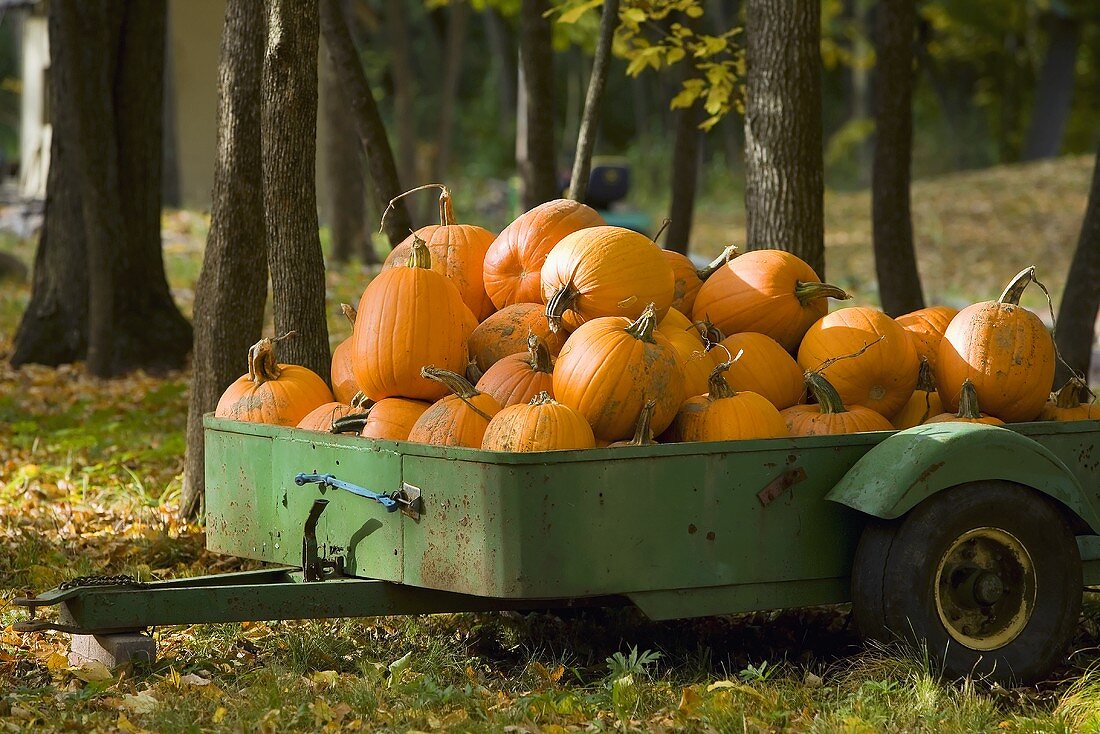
[(219, 714), (124, 724), (57, 661), (674, 54), (694, 12), (325, 677), (92, 671), (140, 703), (573, 14), (689, 701), (633, 15)]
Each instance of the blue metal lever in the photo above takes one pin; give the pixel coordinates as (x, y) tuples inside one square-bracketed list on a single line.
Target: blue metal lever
[(328, 480)]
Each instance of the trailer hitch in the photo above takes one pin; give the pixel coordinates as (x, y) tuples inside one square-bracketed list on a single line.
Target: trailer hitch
[(407, 499)]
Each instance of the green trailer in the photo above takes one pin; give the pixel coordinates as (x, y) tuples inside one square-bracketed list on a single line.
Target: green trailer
[(973, 539)]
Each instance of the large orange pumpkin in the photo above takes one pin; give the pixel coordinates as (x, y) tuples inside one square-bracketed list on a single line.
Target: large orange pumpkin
[(771, 292), (867, 357), (726, 415), (1066, 405), (393, 418), (282, 394), (969, 410), (323, 417), (458, 252), (764, 368), (520, 377), (541, 424), (923, 403), (506, 332), (513, 263), (829, 416), (458, 419), (1004, 349), (604, 271), (611, 366), (344, 386), (689, 279), (926, 327), (408, 318)]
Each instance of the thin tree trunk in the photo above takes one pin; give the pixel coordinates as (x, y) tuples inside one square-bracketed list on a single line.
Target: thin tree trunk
[(404, 88), (456, 41), (684, 177), (368, 122), (288, 121), (899, 284), (783, 154), (1054, 90), (504, 63), (538, 163), (590, 120), (1081, 298), (170, 188), (232, 290)]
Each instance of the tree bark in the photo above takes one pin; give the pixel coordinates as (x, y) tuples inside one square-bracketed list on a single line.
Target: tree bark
[(783, 154), (288, 124), (456, 41), (685, 176), (404, 88), (899, 283), (368, 122), (345, 188), (504, 62), (537, 159), (1081, 298), (590, 119), (1054, 90), (232, 290)]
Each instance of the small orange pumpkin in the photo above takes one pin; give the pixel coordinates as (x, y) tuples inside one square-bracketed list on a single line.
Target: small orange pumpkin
[(765, 368), (643, 431), (518, 378), (969, 411), (513, 264), (458, 419), (830, 417), (408, 318), (1004, 349), (688, 279), (1066, 405), (771, 292), (924, 403), (280, 394), (604, 271), (611, 366), (541, 424), (506, 332), (323, 417), (926, 327), (695, 360), (344, 386), (393, 418), (458, 252), (726, 415), (866, 356)]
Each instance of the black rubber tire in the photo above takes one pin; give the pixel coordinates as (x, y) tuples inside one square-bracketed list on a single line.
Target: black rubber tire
[(912, 556), (868, 575)]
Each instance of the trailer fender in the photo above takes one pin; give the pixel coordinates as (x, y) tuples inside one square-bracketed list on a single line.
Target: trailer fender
[(912, 465)]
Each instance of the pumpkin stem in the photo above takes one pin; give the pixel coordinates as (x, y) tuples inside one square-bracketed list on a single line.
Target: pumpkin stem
[(473, 372), (643, 429), (446, 207), (806, 292), (643, 328), (664, 226), (540, 360), (360, 400), (709, 333), (926, 379), (420, 256), (826, 395), (543, 398), (444, 191), (968, 402), (262, 365), (1069, 395), (558, 304), (350, 423), (349, 312), (1015, 289), (457, 384), (716, 264), (717, 386), (833, 360)]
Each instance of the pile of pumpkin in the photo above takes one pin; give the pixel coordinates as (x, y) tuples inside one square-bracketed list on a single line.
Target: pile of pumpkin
[(565, 333)]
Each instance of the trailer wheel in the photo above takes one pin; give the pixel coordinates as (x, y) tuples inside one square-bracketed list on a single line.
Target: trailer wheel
[(868, 576), (987, 575)]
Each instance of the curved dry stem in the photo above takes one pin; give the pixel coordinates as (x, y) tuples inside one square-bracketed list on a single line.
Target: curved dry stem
[(807, 292), (645, 326), (643, 429), (729, 253), (446, 213), (558, 304), (968, 402), (826, 395), (457, 384), (833, 360), (349, 312), (717, 386), (661, 229), (419, 256), (1015, 288), (540, 359), (926, 378), (262, 365)]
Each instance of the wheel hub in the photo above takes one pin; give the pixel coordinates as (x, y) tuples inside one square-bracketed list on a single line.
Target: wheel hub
[(985, 588)]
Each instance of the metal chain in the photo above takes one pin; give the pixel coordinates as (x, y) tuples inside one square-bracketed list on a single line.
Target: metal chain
[(101, 580)]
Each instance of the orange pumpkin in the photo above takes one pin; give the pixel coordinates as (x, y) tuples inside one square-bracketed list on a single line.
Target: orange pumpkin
[(506, 332), (458, 419), (1004, 349), (604, 271), (969, 411), (867, 357), (688, 279), (611, 366), (675, 321), (281, 394), (513, 264), (408, 318), (541, 424), (324, 417), (924, 403), (1066, 405), (520, 377), (696, 362), (926, 327), (726, 415), (393, 418), (771, 292), (764, 368), (344, 386), (830, 417), (458, 252), (643, 430)]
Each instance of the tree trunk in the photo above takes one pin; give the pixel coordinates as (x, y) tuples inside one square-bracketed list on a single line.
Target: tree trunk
[(783, 156), (368, 122), (685, 175), (232, 290), (345, 188), (899, 284), (404, 88), (456, 41), (590, 120), (170, 188), (1054, 91), (537, 161), (1081, 298), (504, 62)]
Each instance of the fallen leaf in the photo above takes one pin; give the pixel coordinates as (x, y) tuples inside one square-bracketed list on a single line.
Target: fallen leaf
[(325, 677), (219, 714), (140, 703), (57, 661), (92, 671), (194, 680)]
